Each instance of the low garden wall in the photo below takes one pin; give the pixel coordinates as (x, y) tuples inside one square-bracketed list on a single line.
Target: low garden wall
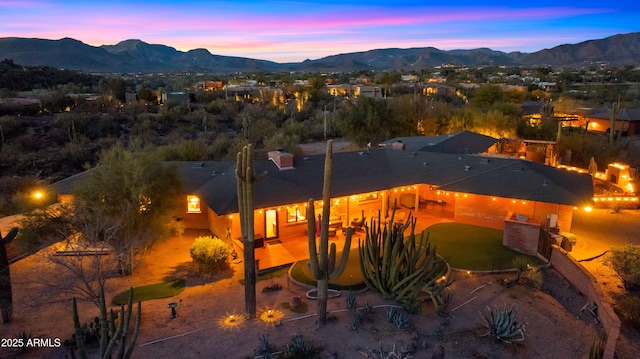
[(584, 282)]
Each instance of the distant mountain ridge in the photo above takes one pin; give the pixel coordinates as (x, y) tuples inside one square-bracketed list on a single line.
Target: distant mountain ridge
[(139, 56)]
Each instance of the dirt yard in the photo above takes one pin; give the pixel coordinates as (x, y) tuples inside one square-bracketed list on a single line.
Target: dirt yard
[(556, 328)]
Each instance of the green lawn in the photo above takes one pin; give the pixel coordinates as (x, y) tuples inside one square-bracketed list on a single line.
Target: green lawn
[(463, 246), (471, 247), (152, 291), (351, 278)]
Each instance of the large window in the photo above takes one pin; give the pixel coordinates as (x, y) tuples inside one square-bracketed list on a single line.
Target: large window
[(193, 204), (296, 214)]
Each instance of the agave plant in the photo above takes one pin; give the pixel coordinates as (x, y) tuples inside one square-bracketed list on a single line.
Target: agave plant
[(355, 321), (266, 348), (299, 348), (390, 313), (368, 307), (401, 321), (501, 324), (351, 301)]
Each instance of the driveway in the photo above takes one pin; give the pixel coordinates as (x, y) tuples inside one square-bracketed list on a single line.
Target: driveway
[(599, 231)]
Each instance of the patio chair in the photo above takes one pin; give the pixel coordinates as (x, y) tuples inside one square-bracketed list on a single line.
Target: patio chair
[(357, 224)]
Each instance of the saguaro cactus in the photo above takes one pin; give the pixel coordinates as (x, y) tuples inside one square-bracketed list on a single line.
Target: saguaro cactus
[(246, 179), (321, 260), (6, 298)]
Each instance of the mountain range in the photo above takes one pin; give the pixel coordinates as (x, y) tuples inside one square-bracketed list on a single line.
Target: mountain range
[(131, 56)]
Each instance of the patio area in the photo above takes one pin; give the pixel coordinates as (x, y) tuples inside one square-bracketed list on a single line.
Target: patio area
[(289, 249)]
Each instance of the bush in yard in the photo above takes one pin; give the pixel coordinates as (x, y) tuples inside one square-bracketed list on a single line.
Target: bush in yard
[(628, 308), (210, 253), (625, 261)]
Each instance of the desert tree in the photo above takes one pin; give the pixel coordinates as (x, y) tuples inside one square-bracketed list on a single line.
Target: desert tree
[(92, 262), (136, 194)]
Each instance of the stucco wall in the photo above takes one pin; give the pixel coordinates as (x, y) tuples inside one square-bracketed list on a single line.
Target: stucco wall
[(584, 282), (218, 225)]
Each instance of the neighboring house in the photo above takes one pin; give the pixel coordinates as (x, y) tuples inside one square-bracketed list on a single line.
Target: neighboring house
[(368, 91), (627, 121), (175, 97), (434, 88), (419, 173), (208, 86)]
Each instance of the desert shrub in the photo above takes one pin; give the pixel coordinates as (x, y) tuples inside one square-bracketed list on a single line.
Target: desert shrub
[(596, 351), (209, 253), (42, 227), (299, 348), (625, 261), (628, 307)]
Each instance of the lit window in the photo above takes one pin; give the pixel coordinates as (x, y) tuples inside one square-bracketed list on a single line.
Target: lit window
[(193, 204), (145, 203), (295, 215)]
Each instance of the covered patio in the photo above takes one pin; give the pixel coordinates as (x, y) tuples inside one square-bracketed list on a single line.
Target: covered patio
[(294, 247)]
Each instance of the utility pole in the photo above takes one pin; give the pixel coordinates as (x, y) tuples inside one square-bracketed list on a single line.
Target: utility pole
[(614, 112)]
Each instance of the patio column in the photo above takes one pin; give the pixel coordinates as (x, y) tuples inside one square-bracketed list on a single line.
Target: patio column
[(417, 200), (348, 223), (384, 203)]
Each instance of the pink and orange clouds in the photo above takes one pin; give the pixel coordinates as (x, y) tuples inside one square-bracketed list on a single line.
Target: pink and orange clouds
[(286, 31)]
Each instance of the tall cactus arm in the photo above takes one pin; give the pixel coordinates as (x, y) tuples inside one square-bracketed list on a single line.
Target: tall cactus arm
[(344, 258), (313, 246), (136, 331), (116, 335), (125, 326), (82, 351), (104, 323), (10, 235)]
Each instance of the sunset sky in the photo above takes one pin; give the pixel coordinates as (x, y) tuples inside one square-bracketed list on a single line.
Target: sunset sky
[(292, 31)]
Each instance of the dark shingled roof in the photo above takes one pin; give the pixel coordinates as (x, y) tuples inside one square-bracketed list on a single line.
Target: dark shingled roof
[(462, 142), (625, 114), (380, 169)]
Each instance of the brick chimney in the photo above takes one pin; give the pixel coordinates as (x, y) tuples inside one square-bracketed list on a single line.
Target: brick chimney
[(283, 160), (398, 145)]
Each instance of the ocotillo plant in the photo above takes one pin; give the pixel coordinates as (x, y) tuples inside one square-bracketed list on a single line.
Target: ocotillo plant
[(6, 298), (321, 260), (246, 179)]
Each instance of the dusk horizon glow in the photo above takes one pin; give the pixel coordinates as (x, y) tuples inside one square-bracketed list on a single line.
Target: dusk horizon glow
[(293, 31)]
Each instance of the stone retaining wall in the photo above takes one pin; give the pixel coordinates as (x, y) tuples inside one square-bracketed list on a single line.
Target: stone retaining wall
[(584, 282)]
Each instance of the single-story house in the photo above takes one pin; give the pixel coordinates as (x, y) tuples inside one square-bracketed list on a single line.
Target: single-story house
[(627, 121), (450, 175)]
